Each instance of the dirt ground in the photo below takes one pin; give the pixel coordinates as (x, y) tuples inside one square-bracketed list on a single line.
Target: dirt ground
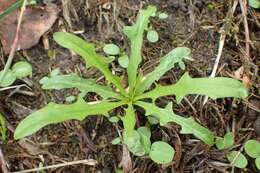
[(191, 23)]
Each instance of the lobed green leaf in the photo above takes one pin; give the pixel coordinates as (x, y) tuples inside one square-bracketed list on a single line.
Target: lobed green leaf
[(75, 81), (87, 51), (129, 120), (135, 35), (188, 125), (167, 62), (218, 87), (55, 113)]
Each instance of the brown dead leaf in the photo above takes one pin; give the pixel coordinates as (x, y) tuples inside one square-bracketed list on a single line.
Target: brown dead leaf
[(36, 21), (4, 4)]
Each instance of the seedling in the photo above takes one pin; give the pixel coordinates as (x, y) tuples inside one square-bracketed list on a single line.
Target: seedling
[(237, 158), (19, 70), (132, 98), (226, 142), (112, 49)]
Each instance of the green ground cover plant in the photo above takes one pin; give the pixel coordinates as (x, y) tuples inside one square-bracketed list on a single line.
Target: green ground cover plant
[(19, 70), (138, 95), (237, 158)]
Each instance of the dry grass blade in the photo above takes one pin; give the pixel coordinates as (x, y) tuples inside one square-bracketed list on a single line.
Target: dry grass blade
[(89, 162), (222, 39), (244, 13)]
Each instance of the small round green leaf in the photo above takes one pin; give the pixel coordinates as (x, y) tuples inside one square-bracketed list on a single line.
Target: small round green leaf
[(237, 159), (254, 3), (111, 49), (123, 61), (114, 119), (226, 142), (134, 143), (116, 141), (161, 152), (110, 59), (163, 15), (145, 135), (252, 148), (22, 69), (257, 163), (152, 36), (8, 79)]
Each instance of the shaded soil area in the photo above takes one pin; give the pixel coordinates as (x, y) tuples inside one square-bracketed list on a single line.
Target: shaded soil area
[(195, 24)]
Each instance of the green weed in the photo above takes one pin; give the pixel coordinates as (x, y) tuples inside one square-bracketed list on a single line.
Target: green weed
[(135, 96)]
